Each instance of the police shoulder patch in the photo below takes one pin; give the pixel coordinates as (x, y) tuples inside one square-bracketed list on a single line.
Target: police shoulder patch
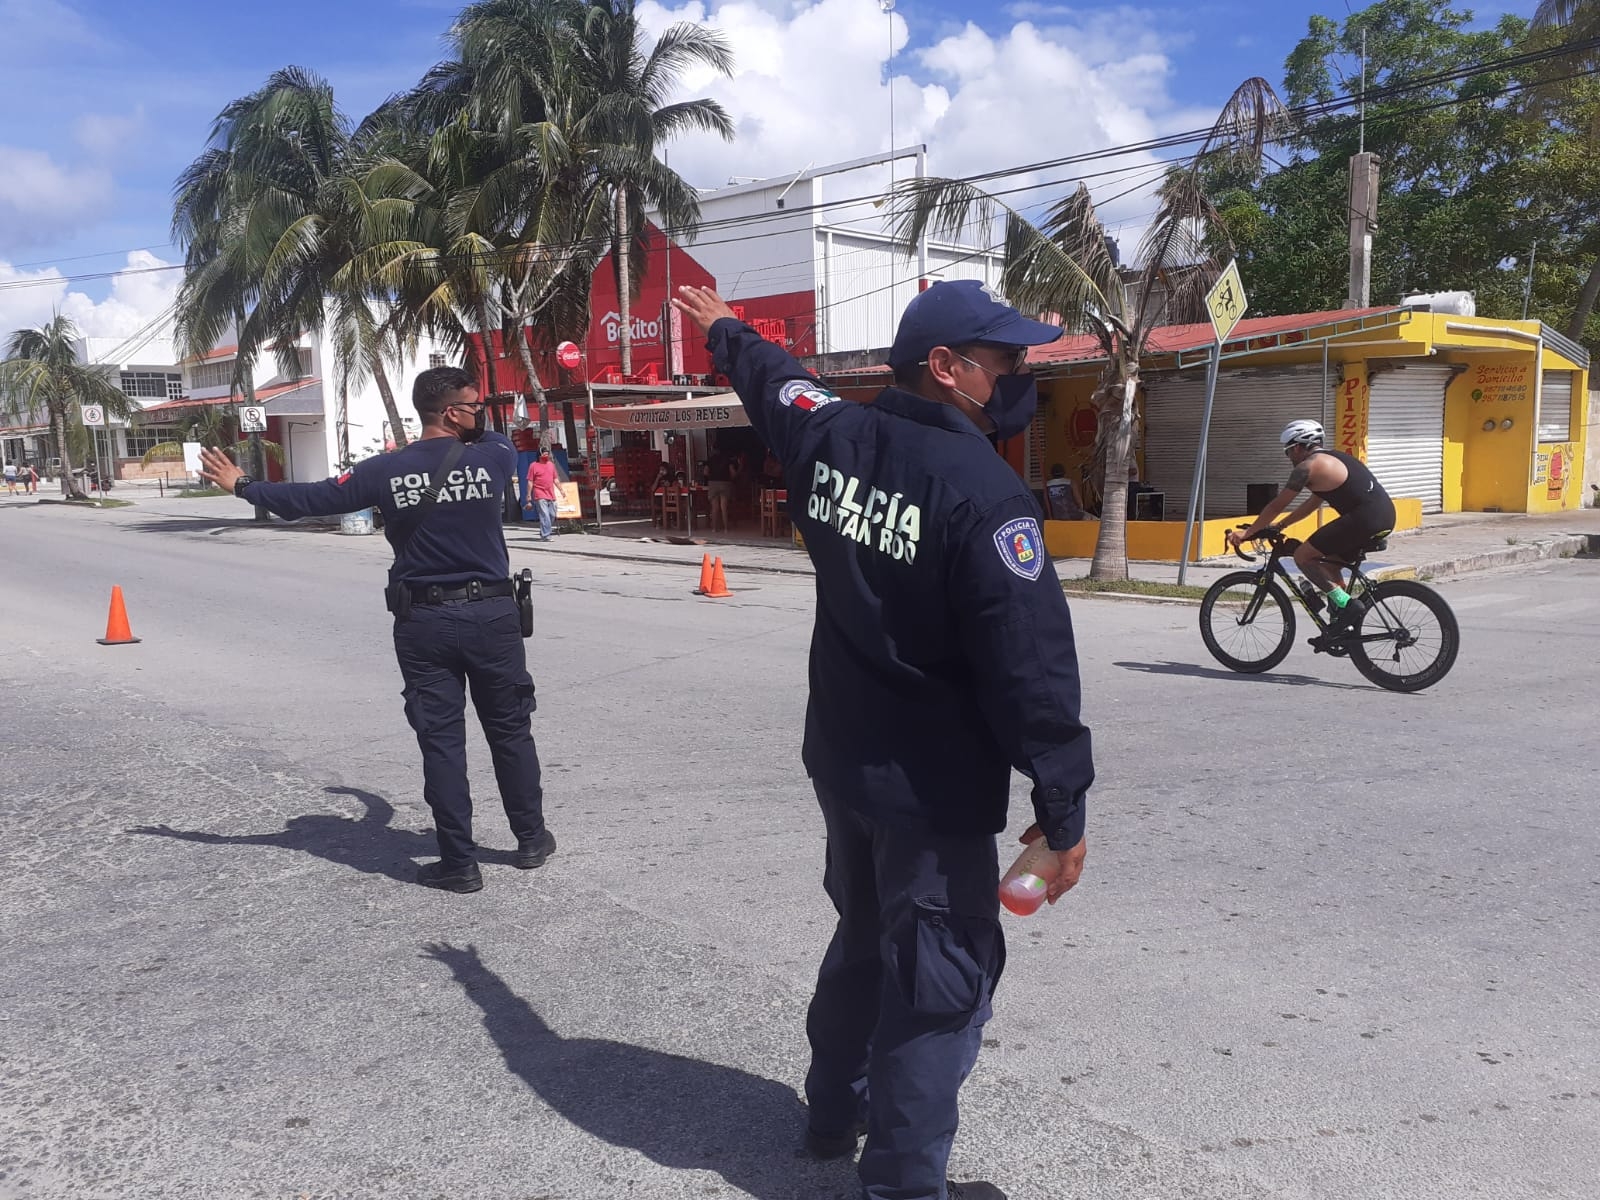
[(805, 394), (1021, 547)]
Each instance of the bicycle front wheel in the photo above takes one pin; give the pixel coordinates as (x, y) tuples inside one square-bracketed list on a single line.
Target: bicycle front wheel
[(1407, 638), (1248, 626)]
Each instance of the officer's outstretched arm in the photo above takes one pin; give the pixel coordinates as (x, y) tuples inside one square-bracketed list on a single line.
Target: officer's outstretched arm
[(1016, 634), (779, 395), (355, 489)]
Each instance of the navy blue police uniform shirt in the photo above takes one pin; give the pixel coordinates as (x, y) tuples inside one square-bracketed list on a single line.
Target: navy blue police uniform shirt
[(943, 652), (461, 539)]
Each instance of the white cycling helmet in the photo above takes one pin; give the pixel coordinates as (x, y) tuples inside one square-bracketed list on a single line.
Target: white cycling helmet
[(1301, 433)]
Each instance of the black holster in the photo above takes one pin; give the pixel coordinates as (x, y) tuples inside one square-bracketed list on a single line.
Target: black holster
[(397, 599), (523, 590)]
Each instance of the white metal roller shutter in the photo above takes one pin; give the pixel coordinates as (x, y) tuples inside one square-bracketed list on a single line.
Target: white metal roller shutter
[(1250, 410), (1555, 407), (1405, 431)]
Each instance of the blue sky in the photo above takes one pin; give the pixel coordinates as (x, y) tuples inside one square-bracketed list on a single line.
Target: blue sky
[(101, 104)]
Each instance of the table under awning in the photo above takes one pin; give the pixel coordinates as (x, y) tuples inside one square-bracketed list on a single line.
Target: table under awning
[(722, 411)]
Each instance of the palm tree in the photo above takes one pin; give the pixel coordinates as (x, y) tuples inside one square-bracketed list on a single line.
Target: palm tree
[(631, 115), (1064, 267), (268, 215), (41, 373)]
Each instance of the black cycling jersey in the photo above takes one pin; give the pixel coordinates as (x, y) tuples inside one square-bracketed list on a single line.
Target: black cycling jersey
[(1359, 489)]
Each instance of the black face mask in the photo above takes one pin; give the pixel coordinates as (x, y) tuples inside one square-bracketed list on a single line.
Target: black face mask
[(477, 429), (1011, 404)]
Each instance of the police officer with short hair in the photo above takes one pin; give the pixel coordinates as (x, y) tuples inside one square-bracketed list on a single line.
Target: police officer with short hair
[(942, 657), (457, 622)]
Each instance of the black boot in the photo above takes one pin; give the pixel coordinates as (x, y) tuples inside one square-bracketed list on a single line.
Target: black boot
[(531, 852), (976, 1190), (828, 1146), (465, 878)]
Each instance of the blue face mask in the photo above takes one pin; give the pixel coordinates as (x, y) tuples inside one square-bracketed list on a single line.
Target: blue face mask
[(1012, 403)]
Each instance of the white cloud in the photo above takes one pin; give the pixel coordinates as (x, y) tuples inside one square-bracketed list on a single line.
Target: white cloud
[(810, 87), (108, 135), (39, 197), (139, 293)]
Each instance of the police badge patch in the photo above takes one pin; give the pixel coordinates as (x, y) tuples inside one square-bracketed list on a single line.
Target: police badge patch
[(804, 394), (1021, 547)]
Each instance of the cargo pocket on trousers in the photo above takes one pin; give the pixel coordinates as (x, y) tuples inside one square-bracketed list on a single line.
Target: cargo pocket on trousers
[(956, 961)]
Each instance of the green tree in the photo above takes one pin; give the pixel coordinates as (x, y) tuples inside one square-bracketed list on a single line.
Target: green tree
[(1466, 188), (41, 374), (630, 116), (1064, 266), (1569, 95), (269, 215)]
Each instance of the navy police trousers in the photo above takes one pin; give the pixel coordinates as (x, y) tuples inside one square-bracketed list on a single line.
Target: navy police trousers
[(903, 992), (444, 649)]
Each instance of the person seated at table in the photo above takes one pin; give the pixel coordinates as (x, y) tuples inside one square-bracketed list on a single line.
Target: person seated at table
[(663, 477), (1061, 497)]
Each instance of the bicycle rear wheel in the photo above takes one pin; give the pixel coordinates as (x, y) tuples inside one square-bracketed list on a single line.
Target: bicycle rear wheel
[(1247, 627), (1408, 637)]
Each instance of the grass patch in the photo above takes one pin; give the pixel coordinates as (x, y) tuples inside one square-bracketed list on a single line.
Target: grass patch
[(1083, 585), (85, 502), (197, 493)]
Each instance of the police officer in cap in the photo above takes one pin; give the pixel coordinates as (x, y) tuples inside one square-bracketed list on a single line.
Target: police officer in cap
[(942, 658), (456, 620)]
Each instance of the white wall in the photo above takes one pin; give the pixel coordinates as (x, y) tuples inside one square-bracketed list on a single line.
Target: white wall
[(764, 258), (305, 444)]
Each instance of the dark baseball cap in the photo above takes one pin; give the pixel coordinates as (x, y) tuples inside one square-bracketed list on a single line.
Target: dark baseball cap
[(958, 312)]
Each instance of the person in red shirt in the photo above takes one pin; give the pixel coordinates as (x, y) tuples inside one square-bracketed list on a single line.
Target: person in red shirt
[(542, 493)]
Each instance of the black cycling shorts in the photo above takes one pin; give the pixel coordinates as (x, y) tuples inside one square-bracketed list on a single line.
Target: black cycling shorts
[(1352, 533)]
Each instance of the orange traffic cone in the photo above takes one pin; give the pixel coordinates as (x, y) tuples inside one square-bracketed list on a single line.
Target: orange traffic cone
[(719, 582), (705, 576), (117, 631)]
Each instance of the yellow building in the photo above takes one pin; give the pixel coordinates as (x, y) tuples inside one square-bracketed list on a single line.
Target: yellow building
[(1443, 408)]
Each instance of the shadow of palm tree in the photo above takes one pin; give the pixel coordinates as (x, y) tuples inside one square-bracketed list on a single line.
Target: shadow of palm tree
[(1189, 669), (682, 1113), (369, 843)]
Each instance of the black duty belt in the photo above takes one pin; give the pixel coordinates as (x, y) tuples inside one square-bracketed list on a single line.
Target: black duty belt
[(475, 590)]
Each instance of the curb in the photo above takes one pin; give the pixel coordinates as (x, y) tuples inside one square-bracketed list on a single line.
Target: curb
[(1138, 597), (1564, 546)]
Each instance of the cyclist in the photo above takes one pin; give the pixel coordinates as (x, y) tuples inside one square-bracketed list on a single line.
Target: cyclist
[(1342, 481)]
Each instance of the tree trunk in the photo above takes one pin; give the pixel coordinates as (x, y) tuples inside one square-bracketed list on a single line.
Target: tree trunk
[(1586, 299), (489, 371), (381, 378), (624, 283), (58, 424), (1111, 547), (535, 389)]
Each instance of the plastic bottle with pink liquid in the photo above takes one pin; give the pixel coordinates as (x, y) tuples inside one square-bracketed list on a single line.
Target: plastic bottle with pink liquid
[(1027, 883)]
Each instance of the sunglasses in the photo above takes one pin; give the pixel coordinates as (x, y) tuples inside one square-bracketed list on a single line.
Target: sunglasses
[(1019, 354)]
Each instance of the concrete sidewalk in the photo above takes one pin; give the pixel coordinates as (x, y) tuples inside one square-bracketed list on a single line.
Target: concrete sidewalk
[(1448, 544)]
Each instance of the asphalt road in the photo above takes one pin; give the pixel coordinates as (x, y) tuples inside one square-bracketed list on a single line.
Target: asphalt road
[(1331, 942)]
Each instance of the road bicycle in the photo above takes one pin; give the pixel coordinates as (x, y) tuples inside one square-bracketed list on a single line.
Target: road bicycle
[(1403, 637)]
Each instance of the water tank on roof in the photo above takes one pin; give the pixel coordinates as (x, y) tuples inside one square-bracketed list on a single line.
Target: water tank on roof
[(1456, 304)]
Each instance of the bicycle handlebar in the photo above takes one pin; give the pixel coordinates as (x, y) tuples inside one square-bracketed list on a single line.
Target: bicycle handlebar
[(1272, 535)]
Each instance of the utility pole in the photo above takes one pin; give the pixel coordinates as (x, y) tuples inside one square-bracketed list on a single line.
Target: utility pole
[(1527, 287), (1363, 204)]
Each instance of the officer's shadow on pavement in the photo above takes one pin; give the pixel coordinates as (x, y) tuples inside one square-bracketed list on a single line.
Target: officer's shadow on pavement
[(368, 844), (682, 1113), (1189, 669)]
